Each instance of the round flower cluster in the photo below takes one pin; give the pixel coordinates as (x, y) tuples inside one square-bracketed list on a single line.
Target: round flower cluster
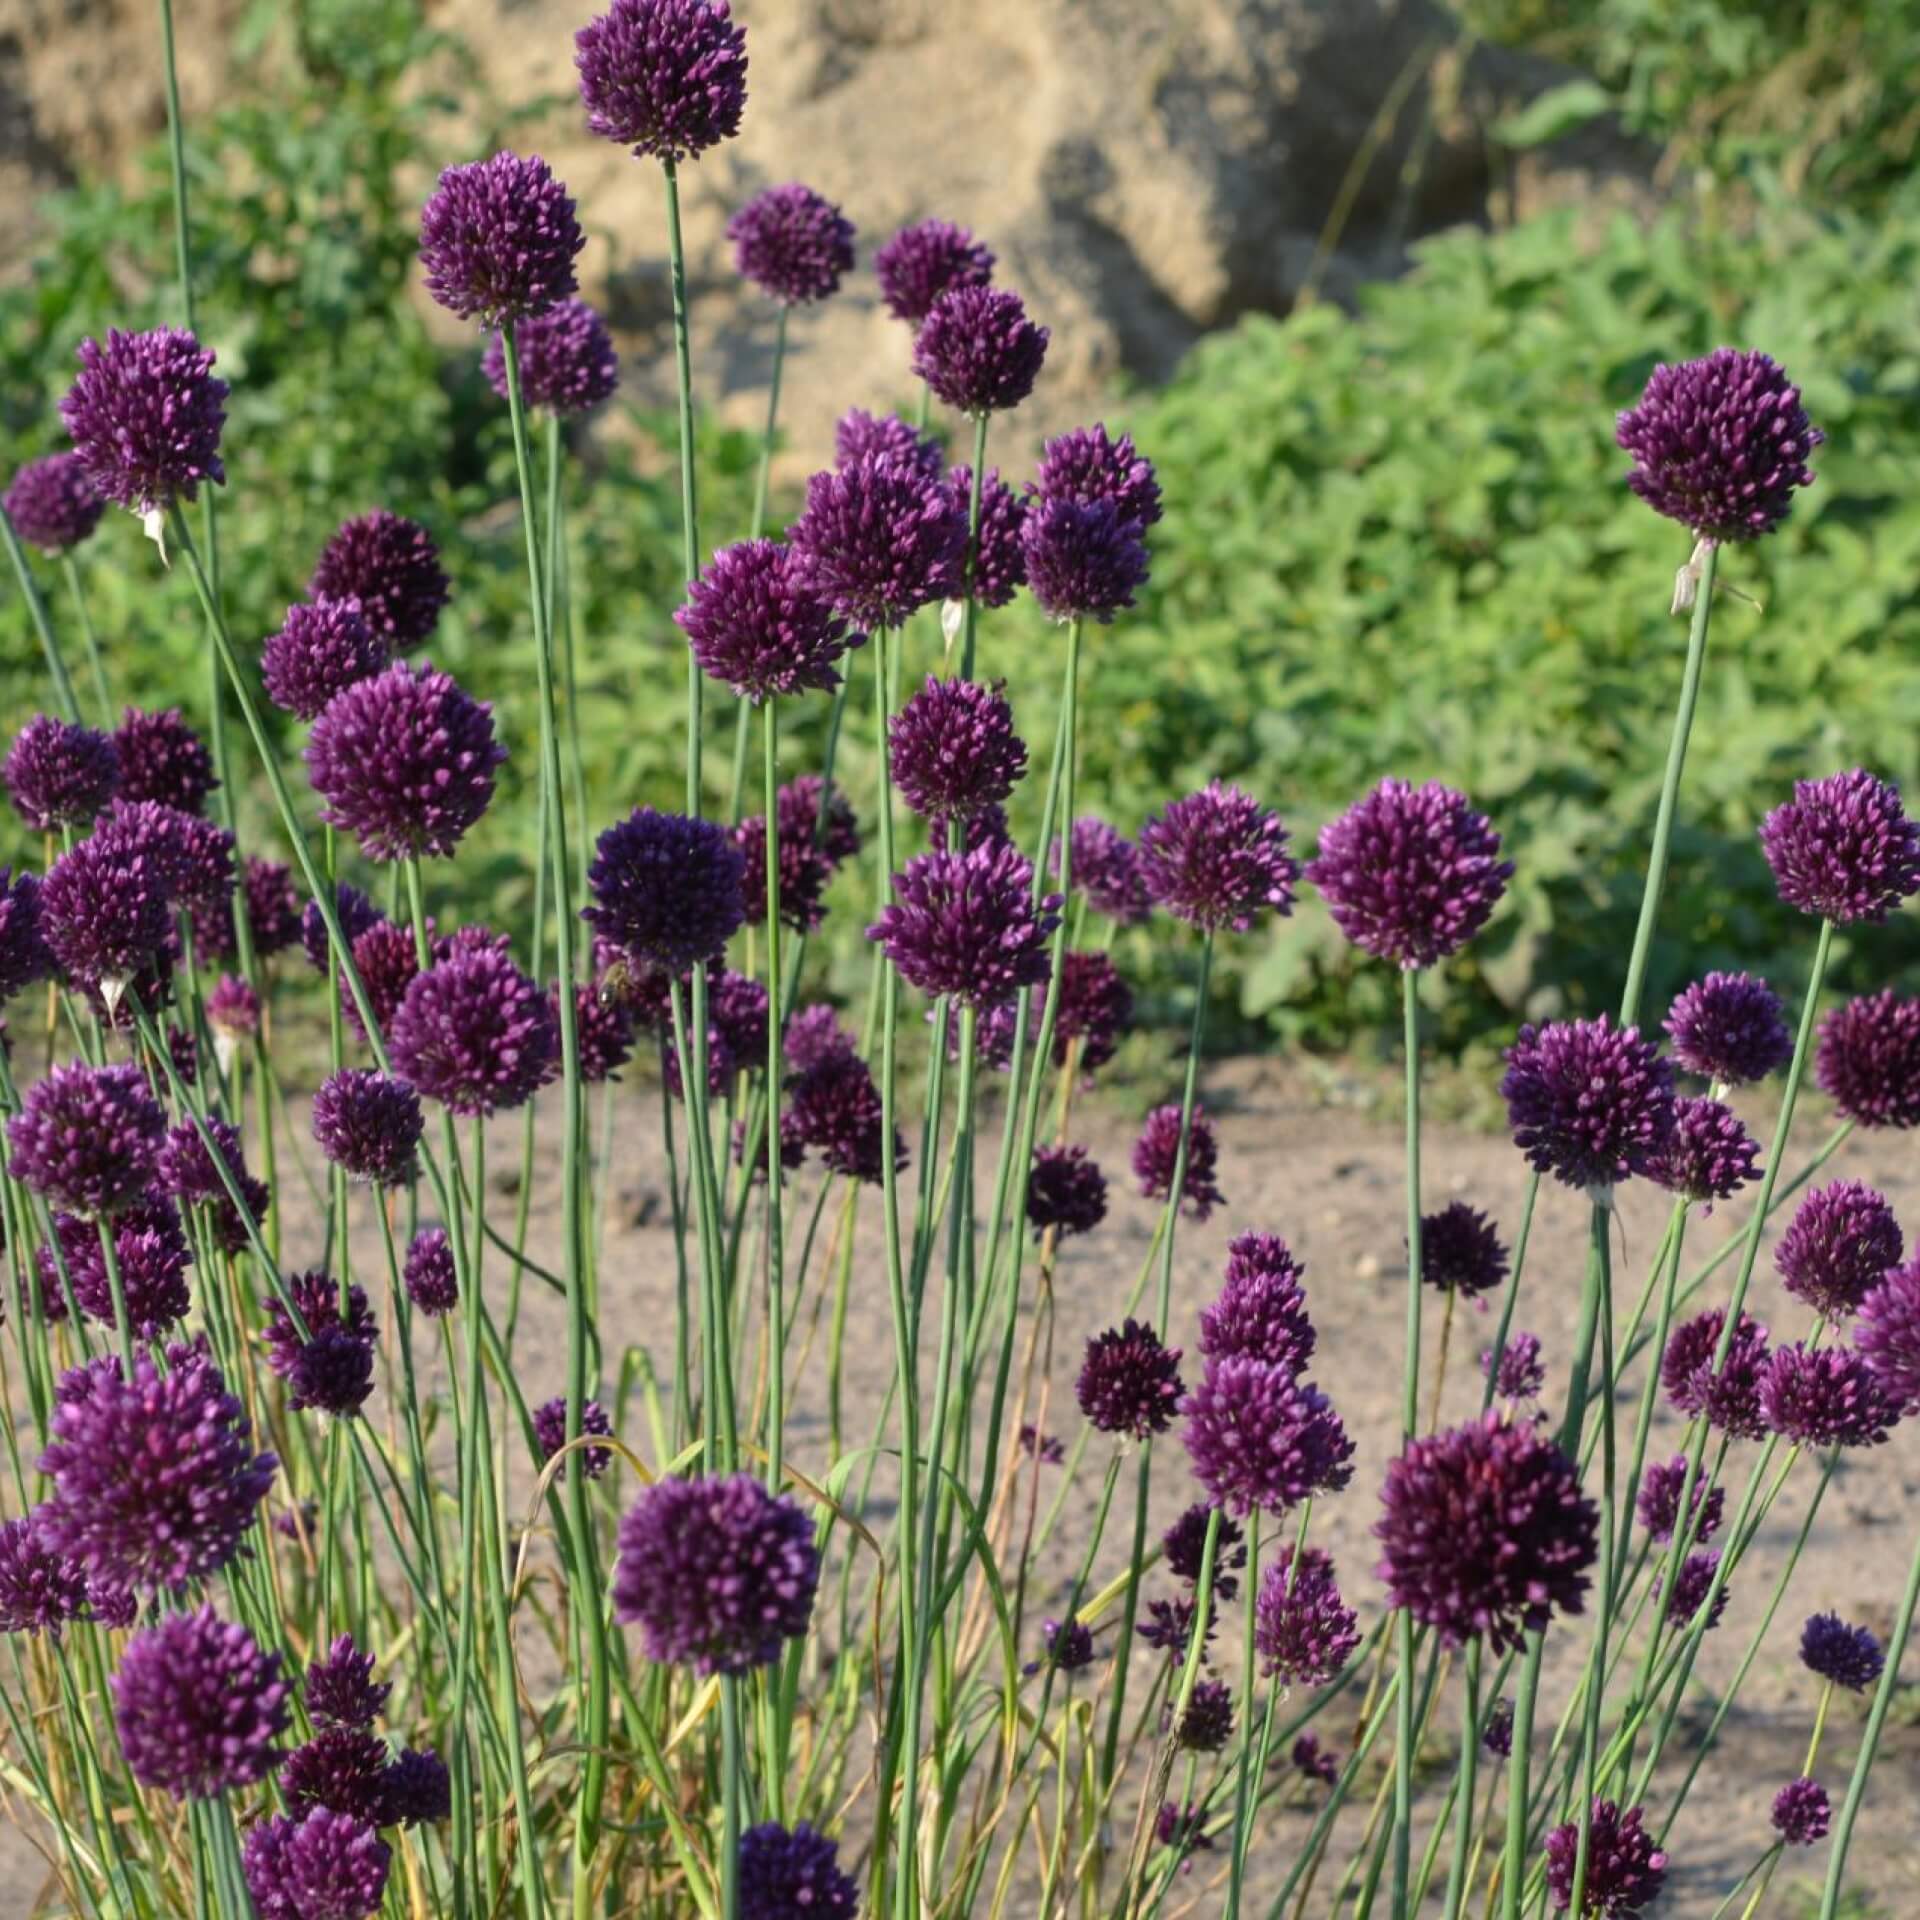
[(858, 433), (391, 566), (1066, 1192), (1887, 1335), (999, 566), (1825, 1397), (783, 1874), (1868, 1060), (1842, 1242), (1625, 1870), (1156, 1160), (1851, 1657), (1690, 1590), (1302, 1630), (566, 359), (498, 239), (1106, 868), (667, 78), (966, 925), (1801, 1812), (199, 1706), (59, 774), (792, 243), (187, 1170), (666, 888), (1184, 1546), (834, 1109), (1129, 1382), (105, 910), (1207, 1724), (1659, 1502), (1261, 1310), (52, 503), (550, 1433), (1843, 847), (323, 1866), (145, 415), (1708, 1156), (1083, 558), (150, 1250), (1218, 859), (953, 750), (428, 1274), (474, 1033), (342, 1769), (977, 350), (340, 1688), (322, 646), (1460, 1251), (1088, 464), (162, 759), (1727, 1395), (754, 622), (40, 1590), (87, 1139), (922, 262), (1258, 1437), (355, 912), (368, 1124), (1589, 1102), (1730, 1029), (880, 538), (330, 1366), (816, 834)]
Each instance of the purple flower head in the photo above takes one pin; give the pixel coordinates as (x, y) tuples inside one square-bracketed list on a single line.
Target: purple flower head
[(1183, 1827), (924, 261), (1690, 1590), (1624, 1867), (1709, 1155), (810, 851), (1460, 1251), (1851, 1657), (368, 1124), (145, 414), (387, 959), (233, 1008), (567, 361), (331, 1366), (604, 1029), (1303, 1631), (355, 912), (953, 749), (1129, 1382), (1067, 1644), (792, 243), (1087, 464), (1589, 1102), (199, 1706), (1520, 1375), (498, 239), (1084, 560), (1184, 1545), (1066, 1192), (59, 774), (1485, 1531), (1261, 1311), (785, 1874), (342, 1769), (1218, 859), (1410, 873), (857, 434), (1730, 1028), (341, 1690), (987, 828), (1659, 1502), (105, 910), (1729, 1396), (391, 566), (1868, 1060), (1497, 1735), (152, 1254), (162, 759), (999, 560), (1207, 1724), (187, 1171), (1312, 1760), (1096, 1008), (52, 503), (429, 1273), (665, 77), (550, 1430), (404, 761), (1843, 847), (1801, 1812), (978, 351), (1106, 868), (1042, 1447), (326, 1866), (40, 1590), (1887, 1335), (716, 1572), (880, 538), (322, 646), (273, 908), (418, 1790), (1719, 445), (87, 1139), (966, 924), (754, 622), (1842, 1242), (1259, 1437), (474, 1033), (834, 1109), (1825, 1397), (193, 856), (666, 887), (1156, 1154), (1169, 1627)]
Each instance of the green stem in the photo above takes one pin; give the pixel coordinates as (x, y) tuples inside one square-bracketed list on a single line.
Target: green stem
[(89, 638), (776, 1229), (743, 709), (1409, 1426), (689, 506), (42, 626), (971, 616)]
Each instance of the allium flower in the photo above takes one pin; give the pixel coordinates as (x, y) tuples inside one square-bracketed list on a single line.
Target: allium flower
[(858, 433), (1042, 1447), (162, 759), (341, 1690), (922, 262), (783, 1874), (1719, 444), (811, 852), (1088, 464), (1851, 1657), (429, 1273), (331, 1366), (880, 538), (1708, 1156), (145, 414), (355, 912), (1801, 1812), (1887, 1335), (1207, 1724), (717, 1572), (834, 1108), (1729, 1028), (342, 1769), (391, 566), (1624, 1867), (1066, 1192), (1728, 1396), (1868, 1060), (977, 349), (1068, 1646), (40, 1590), (953, 749), (999, 568), (1659, 1502), (792, 243), (1106, 868), (387, 958), (1485, 1532), (199, 1706), (1825, 1397), (604, 1029), (105, 910), (1410, 873), (186, 1170), (666, 887), (1261, 1311), (754, 622), (1460, 1251), (1259, 1437), (404, 761), (233, 1009), (966, 924), (327, 1866), (498, 239), (1304, 1633), (1083, 559), (151, 1252), (1497, 1735), (1183, 1828), (1841, 1243), (1096, 1008), (1843, 847), (1169, 1626), (368, 1124), (52, 503), (418, 1791), (59, 774), (1690, 1590), (1218, 859), (567, 361), (322, 646), (1313, 1760), (87, 1139), (1589, 1102), (1184, 1545), (665, 77), (1155, 1155), (1129, 1382), (333, 1373), (550, 1431), (193, 856), (474, 1033), (987, 828)]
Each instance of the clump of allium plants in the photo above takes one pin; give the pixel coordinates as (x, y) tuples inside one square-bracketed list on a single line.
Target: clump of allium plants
[(317, 1606)]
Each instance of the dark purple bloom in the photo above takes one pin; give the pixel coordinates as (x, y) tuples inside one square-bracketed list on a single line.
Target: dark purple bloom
[(1729, 1396), (1042, 1447), (1106, 868), (1708, 1156), (1589, 1102), (1261, 1311), (1066, 1192), (1868, 1061), (666, 887), (1850, 1657), (1690, 1590), (391, 566), (924, 261), (987, 828), (1720, 445), (665, 77), (498, 239), (1303, 1631), (1520, 1374), (417, 1789), (567, 361), (105, 911), (880, 538), (550, 1431), (145, 414), (387, 958), (977, 349), (151, 1252), (1730, 1029), (1801, 1812), (233, 1009), (355, 912), (1624, 1867), (1156, 1152), (1095, 1009), (1843, 847), (1313, 1760), (1129, 1382), (1659, 1502), (40, 1590), (333, 1373), (1260, 1437), (857, 434), (966, 924), (1460, 1251), (1184, 1544), (52, 503), (1207, 1724), (834, 1109), (1218, 859), (59, 774), (322, 646), (474, 1033), (1087, 464), (331, 1366), (1497, 1735), (193, 856), (1068, 1645), (199, 1706), (273, 912), (792, 243), (1841, 1244), (1887, 1335), (999, 568), (1825, 1397), (783, 1875), (327, 1866), (87, 1139), (717, 1572), (1169, 1626), (429, 1273), (368, 1124), (162, 759), (342, 1769), (1183, 1828), (811, 850), (604, 1029), (754, 622), (188, 1172), (953, 749), (1083, 559), (341, 1690)]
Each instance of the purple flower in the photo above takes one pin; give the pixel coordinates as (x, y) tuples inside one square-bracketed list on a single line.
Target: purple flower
[(953, 749), (1042, 1447), (1068, 1645), (1304, 1633), (327, 1866), (1589, 1102), (880, 538), (1314, 1761), (199, 1706), (1690, 1590), (52, 503), (1729, 1396), (1708, 1156), (1183, 1546), (1083, 559), (857, 434), (924, 261), (59, 774), (1624, 1867), (1520, 1374), (1729, 1028), (1095, 1009), (1169, 1626), (341, 1690), (322, 646), (429, 1273), (233, 1009), (1259, 1437), (105, 910), (792, 243), (811, 851), (716, 1572), (1129, 1382), (162, 759), (391, 566), (1411, 874), (1825, 1397), (1720, 445), (331, 1366), (1156, 1154), (1183, 1828), (567, 361), (404, 761), (1659, 1502), (1106, 868), (1207, 1724), (145, 414), (977, 349), (1843, 847), (1261, 1311), (387, 958), (1087, 464), (550, 1431), (186, 1169), (1848, 1656), (368, 1124), (1801, 1812), (783, 1874), (342, 1769), (87, 1139), (474, 1033), (498, 239), (1485, 1531), (1460, 1251), (1868, 1060), (666, 887), (966, 924), (1842, 1242), (193, 856), (151, 1252), (418, 1791), (834, 1108), (40, 1590), (999, 568), (1218, 859), (355, 912), (1497, 1735), (1887, 1335), (1066, 1192), (603, 1029), (754, 622), (665, 77)]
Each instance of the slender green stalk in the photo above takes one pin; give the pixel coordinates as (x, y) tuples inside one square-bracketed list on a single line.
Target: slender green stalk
[(689, 506), (971, 616), (776, 1228), (1409, 1428), (89, 639), (42, 626), (1464, 1777), (757, 526)]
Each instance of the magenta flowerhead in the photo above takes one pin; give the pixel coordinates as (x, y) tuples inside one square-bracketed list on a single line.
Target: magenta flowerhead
[(1460, 1251), (1825, 1397), (322, 646), (151, 1250), (1485, 1532), (233, 1009), (978, 351), (1589, 1102), (999, 559), (417, 1789), (1207, 1724), (1728, 1395), (1843, 1240), (567, 361), (1084, 558), (1095, 1010), (1519, 1374), (163, 759), (1218, 859), (1261, 1310), (330, 1366), (1851, 1657), (1087, 464), (87, 1139), (717, 1572), (199, 1706), (665, 77), (1129, 1382), (106, 910), (368, 1124), (322, 1865), (1887, 1335), (1719, 444), (1410, 873), (340, 1688), (40, 1590), (754, 622), (1184, 1545), (783, 1874), (59, 774), (145, 414), (1066, 1192), (1691, 1587), (880, 538), (834, 1109), (404, 761), (1729, 1029), (188, 1172), (811, 849), (498, 239), (1868, 1060), (965, 924), (1625, 1870), (857, 434), (391, 566), (1106, 868), (926, 260), (474, 1033), (1801, 1812), (1708, 1156), (792, 243), (429, 1273), (550, 1433), (1302, 1629), (1156, 1160), (1659, 1502), (667, 888), (52, 503), (1843, 847), (1259, 1437), (953, 749)]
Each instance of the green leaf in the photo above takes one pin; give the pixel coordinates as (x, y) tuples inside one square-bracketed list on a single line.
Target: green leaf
[(1554, 114)]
